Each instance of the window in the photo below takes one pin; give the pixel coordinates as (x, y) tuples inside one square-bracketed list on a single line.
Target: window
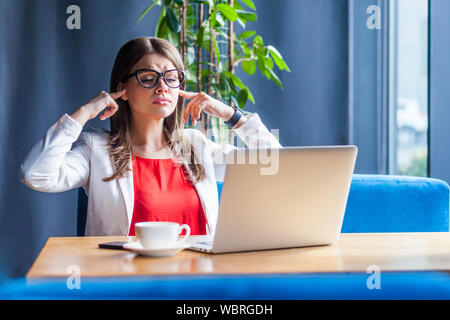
[(408, 87)]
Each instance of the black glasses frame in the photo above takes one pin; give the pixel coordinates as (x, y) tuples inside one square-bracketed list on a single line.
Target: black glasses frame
[(160, 75)]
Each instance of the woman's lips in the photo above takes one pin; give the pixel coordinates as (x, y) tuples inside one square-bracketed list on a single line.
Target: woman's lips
[(162, 102)]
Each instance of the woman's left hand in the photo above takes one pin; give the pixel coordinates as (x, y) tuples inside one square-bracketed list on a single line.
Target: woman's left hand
[(200, 101)]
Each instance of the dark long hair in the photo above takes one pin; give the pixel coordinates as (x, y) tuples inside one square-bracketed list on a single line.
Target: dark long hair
[(119, 143)]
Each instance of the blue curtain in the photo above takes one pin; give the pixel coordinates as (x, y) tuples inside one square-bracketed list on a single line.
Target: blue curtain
[(48, 70)]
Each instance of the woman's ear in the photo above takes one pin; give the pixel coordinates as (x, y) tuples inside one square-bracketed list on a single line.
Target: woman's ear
[(120, 86)]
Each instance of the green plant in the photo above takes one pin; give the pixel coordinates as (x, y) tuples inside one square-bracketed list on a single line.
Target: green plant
[(202, 28)]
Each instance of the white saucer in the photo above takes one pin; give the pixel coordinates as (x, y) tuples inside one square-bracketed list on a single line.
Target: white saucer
[(135, 246)]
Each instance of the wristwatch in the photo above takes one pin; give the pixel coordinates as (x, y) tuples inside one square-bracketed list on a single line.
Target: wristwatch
[(235, 117)]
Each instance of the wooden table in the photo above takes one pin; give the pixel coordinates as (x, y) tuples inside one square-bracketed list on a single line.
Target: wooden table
[(353, 252)]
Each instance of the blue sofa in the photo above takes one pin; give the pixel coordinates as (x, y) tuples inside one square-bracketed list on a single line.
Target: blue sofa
[(376, 203), (323, 286), (382, 203)]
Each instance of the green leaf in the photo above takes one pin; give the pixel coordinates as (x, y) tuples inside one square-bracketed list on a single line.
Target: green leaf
[(206, 72), (161, 19), (223, 85), (230, 85), (216, 47), (269, 63), (249, 66), (206, 45), (227, 11), (245, 49), (233, 98), (247, 16), (249, 3), (242, 98), (262, 66), (259, 50), (190, 75), (281, 64), (236, 81), (219, 20), (190, 17), (275, 78), (212, 19), (173, 37), (242, 23), (215, 90), (204, 42), (250, 96), (225, 65), (237, 5), (222, 33), (246, 34), (173, 21), (258, 40), (148, 9), (163, 28), (200, 34), (240, 58)]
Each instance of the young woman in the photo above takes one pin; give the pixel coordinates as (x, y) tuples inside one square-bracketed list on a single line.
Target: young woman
[(147, 167)]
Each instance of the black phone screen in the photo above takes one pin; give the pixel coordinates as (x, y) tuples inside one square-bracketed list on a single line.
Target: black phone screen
[(118, 245)]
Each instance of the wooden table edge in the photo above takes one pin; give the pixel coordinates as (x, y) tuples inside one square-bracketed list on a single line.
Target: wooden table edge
[(30, 274)]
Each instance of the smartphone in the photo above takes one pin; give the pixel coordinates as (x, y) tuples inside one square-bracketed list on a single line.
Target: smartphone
[(118, 245)]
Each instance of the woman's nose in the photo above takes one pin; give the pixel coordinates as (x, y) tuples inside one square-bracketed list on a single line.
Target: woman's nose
[(161, 86)]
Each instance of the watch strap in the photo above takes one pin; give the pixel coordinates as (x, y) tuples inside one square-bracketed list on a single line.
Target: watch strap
[(234, 118)]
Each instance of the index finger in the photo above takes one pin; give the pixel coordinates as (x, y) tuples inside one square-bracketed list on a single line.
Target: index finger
[(187, 94), (118, 94)]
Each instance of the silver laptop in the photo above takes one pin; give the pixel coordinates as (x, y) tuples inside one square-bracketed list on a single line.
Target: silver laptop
[(289, 197)]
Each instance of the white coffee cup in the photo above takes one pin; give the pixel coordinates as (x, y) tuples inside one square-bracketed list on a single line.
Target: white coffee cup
[(160, 234)]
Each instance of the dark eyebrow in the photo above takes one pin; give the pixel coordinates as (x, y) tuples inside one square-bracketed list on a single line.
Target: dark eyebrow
[(153, 69), (167, 68)]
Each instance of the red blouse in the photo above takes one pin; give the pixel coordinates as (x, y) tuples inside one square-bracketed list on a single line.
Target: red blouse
[(162, 193)]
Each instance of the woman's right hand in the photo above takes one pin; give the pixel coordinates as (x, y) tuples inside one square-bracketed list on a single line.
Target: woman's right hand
[(96, 105)]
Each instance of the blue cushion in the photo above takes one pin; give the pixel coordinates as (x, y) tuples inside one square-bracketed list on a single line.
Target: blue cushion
[(382, 203), (377, 203), (406, 285)]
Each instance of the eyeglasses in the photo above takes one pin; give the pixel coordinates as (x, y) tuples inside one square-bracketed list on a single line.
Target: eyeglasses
[(149, 78)]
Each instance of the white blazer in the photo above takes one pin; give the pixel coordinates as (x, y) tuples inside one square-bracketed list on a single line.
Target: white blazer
[(65, 159)]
